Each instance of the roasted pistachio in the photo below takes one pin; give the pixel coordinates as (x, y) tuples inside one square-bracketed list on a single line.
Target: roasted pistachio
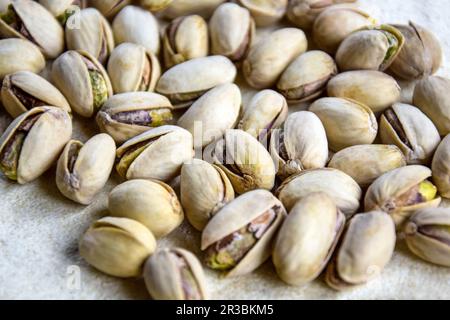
[(178, 8), (265, 12), (441, 167), (62, 10), (32, 143), (238, 239), (109, 8), (155, 5)]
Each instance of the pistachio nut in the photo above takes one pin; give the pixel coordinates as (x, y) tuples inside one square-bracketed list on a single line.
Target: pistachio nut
[(265, 12), (372, 48), (307, 76), (187, 81), (366, 248), (185, 38), (421, 55), (175, 274), (402, 191), (83, 81), (301, 145), (155, 5), (441, 167), (157, 154), (266, 111), (204, 189), (212, 114), (431, 97), (339, 186), (28, 20), (178, 8), (410, 130), (109, 8), (245, 161), (347, 122), (150, 202), (375, 89), (117, 246), (32, 143), (297, 259), (238, 239), (365, 163), (270, 56), (19, 55), (126, 115), (427, 235), (24, 90), (62, 10), (136, 25), (232, 31), (132, 68)]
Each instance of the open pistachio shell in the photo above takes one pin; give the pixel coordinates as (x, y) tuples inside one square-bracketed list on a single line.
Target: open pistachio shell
[(63, 9), (441, 167), (109, 8), (297, 259), (265, 12), (155, 5), (178, 8), (238, 239)]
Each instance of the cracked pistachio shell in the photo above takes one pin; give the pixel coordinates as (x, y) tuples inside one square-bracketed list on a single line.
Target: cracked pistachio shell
[(266, 111), (37, 25), (24, 90), (441, 167), (421, 55), (19, 55), (372, 48), (365, 163), (117, 246), (347, 122), (178, 8), (339, 186), (33, 141), (307, 76), (301, 145), (157, 154), (237, 215), (83, 81), (297, 259), (109, 8), (155, 5), (187, 81), (84, 169), (185, 38), (132, 68), (150, 202), (63, 9), (427, 235), (431, 97), (232, 31), (204, 189), (175, 274), (136, 25), (126, 115), (265, 12), (212, 114), (410, 130), (392, 193), (269, 57), (247, 163), (375, 89), (366, 248)]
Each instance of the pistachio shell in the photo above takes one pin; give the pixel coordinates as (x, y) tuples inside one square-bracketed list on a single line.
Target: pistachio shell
[(178, 8), (155, 5), (109, 8), (265, 12), (440, 167), (63, 9)]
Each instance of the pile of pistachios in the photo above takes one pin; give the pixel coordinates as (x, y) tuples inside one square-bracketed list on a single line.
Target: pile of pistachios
[(327, 190)]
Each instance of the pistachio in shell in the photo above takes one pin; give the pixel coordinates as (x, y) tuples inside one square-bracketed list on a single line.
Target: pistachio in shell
[(155, 5), (109, 8), (265, 12), (178, 8), (440, 167), (62, 10)]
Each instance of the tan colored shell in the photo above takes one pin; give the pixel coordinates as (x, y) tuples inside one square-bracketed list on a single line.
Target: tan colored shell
[(132, 101), (270, 56), (236, 215), (365, 163), (347, 122), (420, 132), (43, 142), (305, 144), (31, 85), (164, 280), (136, 25), (82, 180), (150, 202), (265, 12), (297, 259), (441, 167), (307, 76), (204, 189), (339, 186), (375, 89), (212, 114), (383, 191), (427, 235), (155, 5), (366, 248), (117, 246), (178, 8), (109, 8), (41, 26)]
